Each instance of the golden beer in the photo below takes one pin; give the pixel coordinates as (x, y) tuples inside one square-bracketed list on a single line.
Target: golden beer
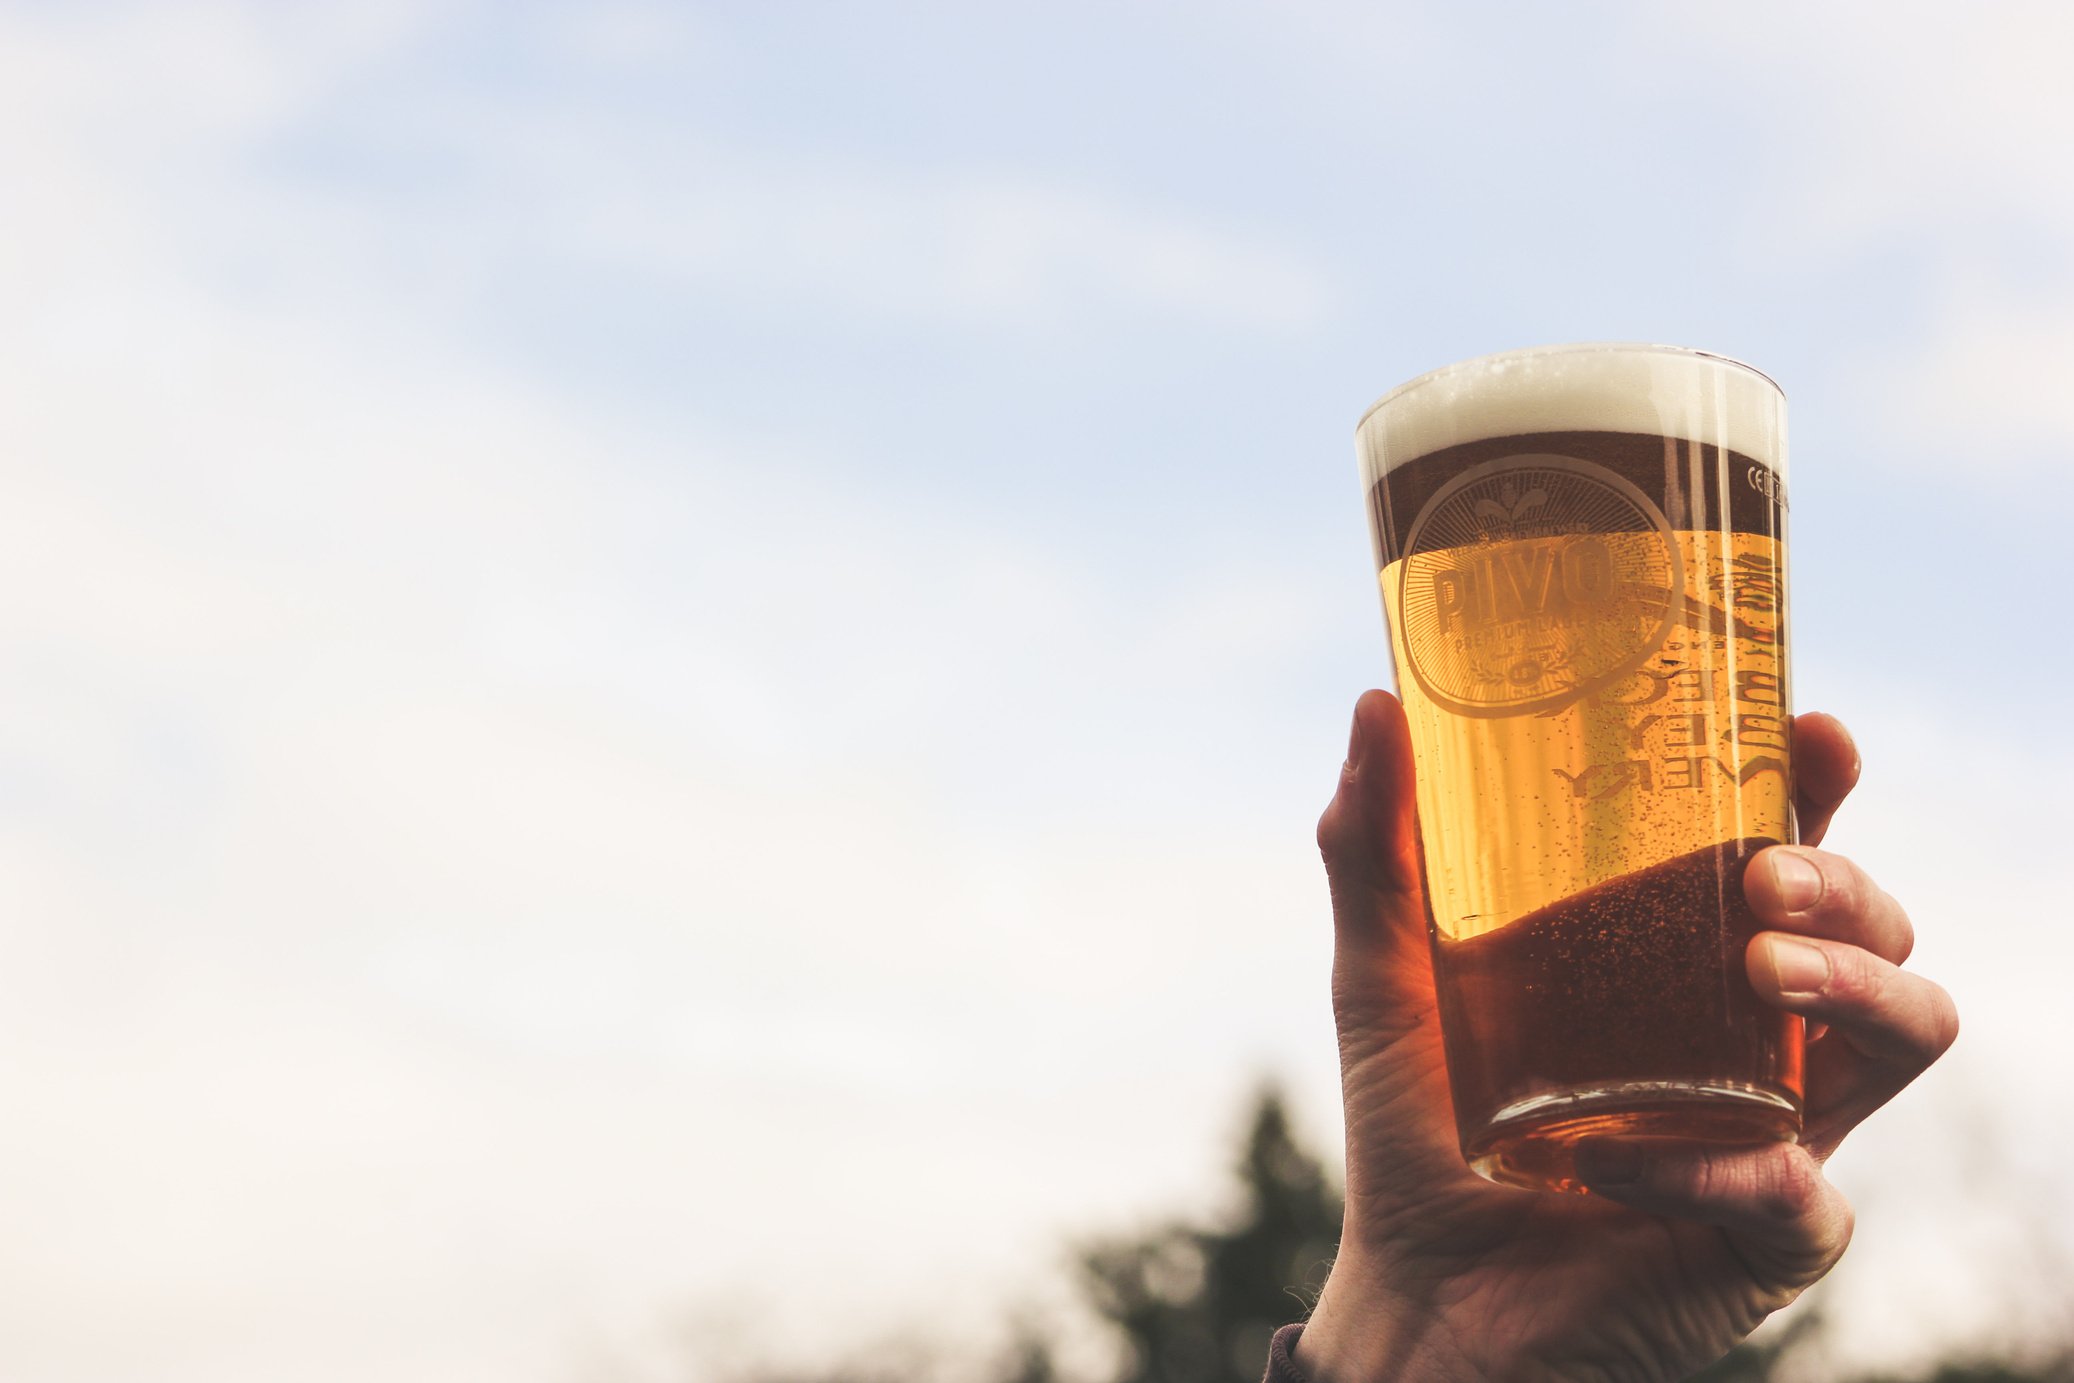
[(1582, 555)]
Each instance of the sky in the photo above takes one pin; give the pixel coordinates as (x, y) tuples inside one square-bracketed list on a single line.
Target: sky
[(667, 669)]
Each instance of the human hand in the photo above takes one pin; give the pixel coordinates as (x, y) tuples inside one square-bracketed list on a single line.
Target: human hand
[(1681, 1249)]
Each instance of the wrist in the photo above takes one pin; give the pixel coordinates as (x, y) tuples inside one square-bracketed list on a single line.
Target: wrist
[(1365, 1336)]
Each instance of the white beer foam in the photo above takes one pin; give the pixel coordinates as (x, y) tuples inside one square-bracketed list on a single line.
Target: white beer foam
[(1668, 391)]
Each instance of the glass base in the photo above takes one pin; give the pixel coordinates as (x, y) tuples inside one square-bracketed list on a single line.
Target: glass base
[(1533, 1142)]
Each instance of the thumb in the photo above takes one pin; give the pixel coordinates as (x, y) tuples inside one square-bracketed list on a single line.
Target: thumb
[(1369, 833), (1400, 1127), (1382, 962)]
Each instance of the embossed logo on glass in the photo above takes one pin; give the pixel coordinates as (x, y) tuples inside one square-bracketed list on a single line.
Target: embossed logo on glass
[(1530, 581)]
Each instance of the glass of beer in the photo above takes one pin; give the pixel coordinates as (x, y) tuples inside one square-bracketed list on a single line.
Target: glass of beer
[(1582, 552)]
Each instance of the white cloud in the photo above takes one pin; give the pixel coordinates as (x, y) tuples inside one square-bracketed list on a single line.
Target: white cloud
[(1928, 136), (1903, 119), (983, 247), (637, 37), (1988, 392)]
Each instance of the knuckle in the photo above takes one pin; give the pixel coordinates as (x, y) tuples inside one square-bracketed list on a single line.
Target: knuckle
[(1332, 827), (1792, 1184), (1944, 1022), (1852, 978), (1916, 1027), (1698, 1179), (1843, 886), (1849, 895)]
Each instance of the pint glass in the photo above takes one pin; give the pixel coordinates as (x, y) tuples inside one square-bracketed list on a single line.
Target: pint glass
[(1582, 552)]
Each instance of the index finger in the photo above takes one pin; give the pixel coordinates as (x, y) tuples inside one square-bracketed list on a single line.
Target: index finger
[(1825, 769)]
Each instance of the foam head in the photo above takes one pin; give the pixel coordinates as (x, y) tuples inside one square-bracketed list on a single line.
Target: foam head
[(1666, 391)]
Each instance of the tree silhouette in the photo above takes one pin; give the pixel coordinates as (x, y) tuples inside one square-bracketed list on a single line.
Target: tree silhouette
[(1197, 1301), (1199, 1305)]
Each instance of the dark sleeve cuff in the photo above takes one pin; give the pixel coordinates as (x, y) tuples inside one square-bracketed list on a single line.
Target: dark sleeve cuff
[(1281, 1357)]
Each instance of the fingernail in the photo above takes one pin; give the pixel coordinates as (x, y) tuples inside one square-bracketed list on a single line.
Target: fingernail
[(1607, 1162), (1798, 881), (1354, 742), (1797, 967)]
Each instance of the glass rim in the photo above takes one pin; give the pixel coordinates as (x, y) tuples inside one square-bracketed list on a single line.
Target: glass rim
[(1567, 348)]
